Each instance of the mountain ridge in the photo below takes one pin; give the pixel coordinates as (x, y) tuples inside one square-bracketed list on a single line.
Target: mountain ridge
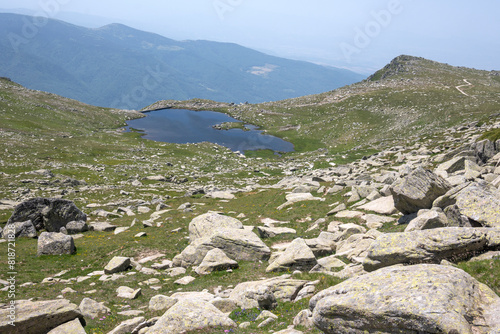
[(112, 66)]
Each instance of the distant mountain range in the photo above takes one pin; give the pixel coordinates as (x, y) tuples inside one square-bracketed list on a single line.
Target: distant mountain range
[(121, 67)]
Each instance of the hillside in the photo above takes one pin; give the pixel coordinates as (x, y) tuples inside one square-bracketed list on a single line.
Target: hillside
[(408, 99), (200, 238), (117, 66)]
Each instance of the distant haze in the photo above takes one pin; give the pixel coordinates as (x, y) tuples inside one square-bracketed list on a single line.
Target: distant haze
[(361, 35)]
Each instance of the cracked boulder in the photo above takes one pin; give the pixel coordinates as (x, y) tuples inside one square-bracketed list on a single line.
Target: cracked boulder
[(47, 213)]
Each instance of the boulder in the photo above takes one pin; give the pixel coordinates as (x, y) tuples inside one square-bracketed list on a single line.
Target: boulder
[(93, 309), (453, 165), (430, 219), (127, 326), (76, 227), (51, 243), (208, 223), (484, 149), (161, 302), (47, 213), (19, 230), (128, 293), (423, 298), (480, 202), (215, 260), (117, 264), (356, 247), (250, 295), (237, 244), (264, 293), (297, 256), (382, 205), (70, 327), (37, 317), (190, 315), (270, 232), (418, 190), (428, 246), (323, 245)]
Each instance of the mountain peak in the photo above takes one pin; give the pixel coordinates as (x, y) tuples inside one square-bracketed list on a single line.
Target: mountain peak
[(400, 64)]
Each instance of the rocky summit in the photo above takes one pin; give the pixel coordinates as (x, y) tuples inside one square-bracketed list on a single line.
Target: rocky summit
[(385, 219)]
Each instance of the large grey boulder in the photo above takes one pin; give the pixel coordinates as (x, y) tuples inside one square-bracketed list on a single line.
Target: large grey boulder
[(215, 260), (37, 317), (20, 230), (237, 244), (93, 309), (208, 223), (484, 149), (418, 190), (189, 315), (50, 243), (47, 213), (297, 256), (480, 203), (423, 298), (428, 246)]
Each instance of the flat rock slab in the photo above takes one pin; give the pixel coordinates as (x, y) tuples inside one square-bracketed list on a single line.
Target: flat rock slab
[(103, 227), (429, 246), (38, 317), (383, 206), (423, 298)]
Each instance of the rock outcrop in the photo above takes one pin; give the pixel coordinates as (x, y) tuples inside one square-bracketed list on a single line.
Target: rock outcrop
[(422, 298), (38, 317), (418, 190)]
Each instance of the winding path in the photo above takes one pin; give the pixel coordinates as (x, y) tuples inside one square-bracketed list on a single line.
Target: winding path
[(468, 84)]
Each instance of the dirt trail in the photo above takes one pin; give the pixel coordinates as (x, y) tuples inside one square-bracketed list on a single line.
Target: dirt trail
[(468, 84)]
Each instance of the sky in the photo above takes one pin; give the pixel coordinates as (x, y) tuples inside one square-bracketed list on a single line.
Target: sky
[(361, 35)]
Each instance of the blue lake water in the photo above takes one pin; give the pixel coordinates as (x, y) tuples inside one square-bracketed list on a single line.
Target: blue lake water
[(186, 126)]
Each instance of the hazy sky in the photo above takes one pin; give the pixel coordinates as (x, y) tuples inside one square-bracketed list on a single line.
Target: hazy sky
[(359, 34)]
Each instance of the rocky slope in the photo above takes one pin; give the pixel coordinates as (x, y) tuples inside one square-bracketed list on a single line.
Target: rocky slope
[(403, 240)]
